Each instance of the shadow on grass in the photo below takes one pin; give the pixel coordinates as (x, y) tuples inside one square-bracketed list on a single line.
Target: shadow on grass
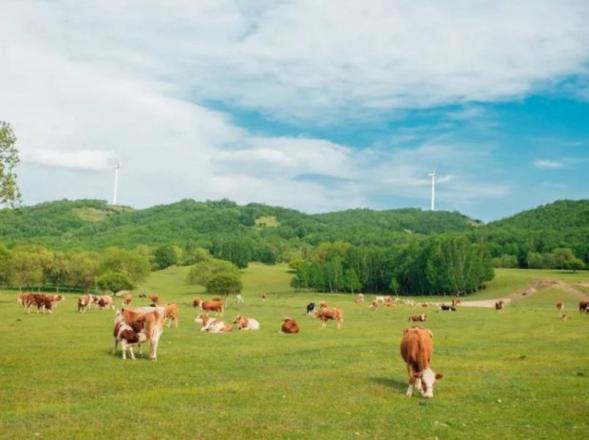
[(387, 382)]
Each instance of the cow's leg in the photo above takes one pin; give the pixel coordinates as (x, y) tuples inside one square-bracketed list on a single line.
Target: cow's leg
[(409, 391), (131, 352), (114, 350), (124, 348), (176, 322), (323, 323)]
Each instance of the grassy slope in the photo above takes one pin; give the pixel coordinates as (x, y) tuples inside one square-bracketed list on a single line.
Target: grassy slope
[(518, 374)]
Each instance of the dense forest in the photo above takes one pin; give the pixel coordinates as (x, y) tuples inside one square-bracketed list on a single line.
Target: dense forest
[(401, 250)]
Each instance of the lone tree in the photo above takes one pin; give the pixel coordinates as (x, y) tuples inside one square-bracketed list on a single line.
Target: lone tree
[(224, 283), (9, 193)]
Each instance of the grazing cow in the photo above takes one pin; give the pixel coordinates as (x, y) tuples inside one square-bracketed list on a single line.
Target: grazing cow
[(43, 302), (417, 350), (560, 305), (244, 323), (455, 301), (418, 318), (155, 299), (84, 302), (359, 298), (26, 300), (289, 326), (105, 302), (447, 308), (326, 313), (564, 317), (171, 314), (212, 325), (127, 298), (56, 299), (584, 306), (127, 337), (149, 320), (499, 305), (424, 305), (311, 308), (214, 305)]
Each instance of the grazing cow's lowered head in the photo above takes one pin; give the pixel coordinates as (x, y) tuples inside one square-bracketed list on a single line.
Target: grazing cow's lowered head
[(416, 351), (311, 308)]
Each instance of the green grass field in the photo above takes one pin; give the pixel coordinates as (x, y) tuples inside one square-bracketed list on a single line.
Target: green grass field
[(521, 373)]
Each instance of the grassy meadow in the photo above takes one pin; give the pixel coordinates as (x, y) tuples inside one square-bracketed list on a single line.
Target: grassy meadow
[(520, 373)]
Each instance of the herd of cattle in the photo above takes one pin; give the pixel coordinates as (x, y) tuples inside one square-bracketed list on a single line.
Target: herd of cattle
[(136, 326)]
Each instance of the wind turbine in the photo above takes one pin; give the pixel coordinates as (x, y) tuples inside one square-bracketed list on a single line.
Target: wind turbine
[(116, 186), (433, 176)]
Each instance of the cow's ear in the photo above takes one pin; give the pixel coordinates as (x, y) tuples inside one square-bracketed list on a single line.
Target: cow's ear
[(439, 376)]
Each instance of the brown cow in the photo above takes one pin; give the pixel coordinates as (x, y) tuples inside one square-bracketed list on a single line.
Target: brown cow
[(418, 318), (83, 302), (456, 301), (155, 299), (289, 326), (214, 305), (105, 302), (171, 314), (127, 298), (326, 313), (560, 305), (417, 350), (584, 306), (499, 305), (149, 320)]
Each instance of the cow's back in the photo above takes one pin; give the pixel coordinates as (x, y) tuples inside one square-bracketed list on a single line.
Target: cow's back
[(417, 348)]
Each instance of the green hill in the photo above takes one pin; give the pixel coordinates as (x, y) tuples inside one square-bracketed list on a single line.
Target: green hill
[(560, 215)]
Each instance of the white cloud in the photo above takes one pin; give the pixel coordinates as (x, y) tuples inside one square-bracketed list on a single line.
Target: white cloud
[(91, 160), (549, 164)]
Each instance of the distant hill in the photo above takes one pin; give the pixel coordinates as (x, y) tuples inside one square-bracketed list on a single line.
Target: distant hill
[(94, 224), (560, 215)]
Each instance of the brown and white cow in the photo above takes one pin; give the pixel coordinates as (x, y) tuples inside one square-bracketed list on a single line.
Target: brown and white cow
[(416, 350), (212, 325), (84, 302), (560, 305), (245, 323), (128, 336), (418, 318), (105, 302), (215, 305), (330, 313), (289, 326), (584, 306), (149, 320)]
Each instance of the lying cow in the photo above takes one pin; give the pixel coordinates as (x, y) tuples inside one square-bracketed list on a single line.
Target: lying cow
[(244, 323), (149, 320), (311, 308), (326, 313), (418, 318), (289, 326), (448, 308), (416, 351), (212, 325), (215, 305)]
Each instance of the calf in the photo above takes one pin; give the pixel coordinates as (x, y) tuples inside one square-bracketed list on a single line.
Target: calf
[(325, 314), (244, 323), (127, 336), (311, 308), (215, 305), (289, 326), (448, 308), (499, 305), (212, 325), (416, 351), (418, 318)]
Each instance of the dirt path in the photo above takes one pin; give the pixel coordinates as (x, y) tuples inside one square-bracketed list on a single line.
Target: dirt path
[(527, 292)]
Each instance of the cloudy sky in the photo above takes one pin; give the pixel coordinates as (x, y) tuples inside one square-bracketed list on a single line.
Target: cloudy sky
[(310, 104)]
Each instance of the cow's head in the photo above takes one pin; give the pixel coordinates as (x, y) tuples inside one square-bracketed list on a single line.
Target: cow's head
[(425, 381)]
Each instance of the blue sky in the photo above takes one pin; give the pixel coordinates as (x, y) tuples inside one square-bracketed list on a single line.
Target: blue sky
[(312, 105)]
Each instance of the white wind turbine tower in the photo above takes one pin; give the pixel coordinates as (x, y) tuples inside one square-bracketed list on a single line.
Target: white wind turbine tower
[(116, 186), (433, 176)]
